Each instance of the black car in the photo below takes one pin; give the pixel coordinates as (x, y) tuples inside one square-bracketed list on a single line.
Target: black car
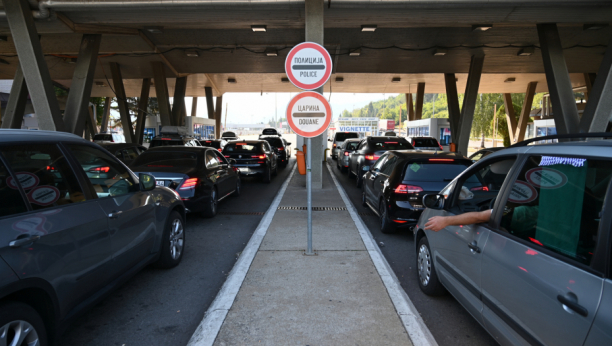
[(200, 175), (369, 150), (218, 144), (174, 135), (344, 153), (126, 152), (253, 157), (482, 153), (229, 136), (281, 147), (395, 185), (68, 239)]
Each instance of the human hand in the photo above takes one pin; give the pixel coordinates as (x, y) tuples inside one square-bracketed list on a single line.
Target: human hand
[(436, 223)]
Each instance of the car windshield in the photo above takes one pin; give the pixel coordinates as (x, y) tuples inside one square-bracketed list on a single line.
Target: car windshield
[(342, 136), (228, 134), (424, 142), (243, 147), (275, 142), (164, 142), (167, 159), (391, 145), (212, 144), (434, 171)]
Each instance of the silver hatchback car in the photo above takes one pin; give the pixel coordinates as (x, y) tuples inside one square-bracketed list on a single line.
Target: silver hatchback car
[(539, 272)]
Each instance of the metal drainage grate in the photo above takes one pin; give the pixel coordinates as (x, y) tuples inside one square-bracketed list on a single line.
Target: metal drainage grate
[(240, 213), (314, 208)]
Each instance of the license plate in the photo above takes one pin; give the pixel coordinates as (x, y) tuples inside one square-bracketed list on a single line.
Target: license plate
[(160, 182)]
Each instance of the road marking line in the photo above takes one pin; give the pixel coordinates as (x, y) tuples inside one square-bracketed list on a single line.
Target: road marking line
[(207, 331), (412, 321)]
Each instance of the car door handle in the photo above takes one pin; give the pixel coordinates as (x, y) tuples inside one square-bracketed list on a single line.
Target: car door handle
[(23, 241), (474, 247), (570, 301), (115, 214)]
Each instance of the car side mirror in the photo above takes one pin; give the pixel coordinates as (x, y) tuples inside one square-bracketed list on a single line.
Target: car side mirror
[(288, 143), (435, 201), (147, 182), (329, 140)]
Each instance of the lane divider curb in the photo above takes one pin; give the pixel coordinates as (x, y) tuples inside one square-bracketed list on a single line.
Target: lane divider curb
[(207, 331), (412, 321)]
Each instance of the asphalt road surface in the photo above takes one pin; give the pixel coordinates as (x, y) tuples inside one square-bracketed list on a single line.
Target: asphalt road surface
[(164, 307), (447, 320)]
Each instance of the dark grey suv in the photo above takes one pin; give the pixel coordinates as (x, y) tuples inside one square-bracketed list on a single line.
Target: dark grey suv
[(75, 223)]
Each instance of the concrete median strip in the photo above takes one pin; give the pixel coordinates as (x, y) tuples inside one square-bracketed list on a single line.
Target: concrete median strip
[(412, 321), (207, 331)]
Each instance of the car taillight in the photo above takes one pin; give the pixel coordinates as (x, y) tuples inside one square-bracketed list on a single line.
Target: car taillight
[(372, 157), (189, 184), (479, 188), (281, 149), (442, 160), (259, 156), (51, 169), (99, 169), (335, 145), (346, 153), (226, 155), (220, 150), (403, 188), (166, 139)]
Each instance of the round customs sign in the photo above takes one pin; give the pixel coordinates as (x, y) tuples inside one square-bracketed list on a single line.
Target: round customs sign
[(27, 180), (309, 114), (44, 195), (522, 192), (308, 66), (546, 178)]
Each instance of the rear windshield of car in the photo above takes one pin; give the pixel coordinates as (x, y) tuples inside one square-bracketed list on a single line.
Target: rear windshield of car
[(275, 142), (434, 171), (161, 142), (103, 137), (228, 134), (352, 145), (212, 144), (341, 137), (269, 132), (243, 147), (391, 145), (424, 142), (167, 159)]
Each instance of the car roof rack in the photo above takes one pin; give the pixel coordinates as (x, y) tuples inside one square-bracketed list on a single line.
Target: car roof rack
[(563, 136)]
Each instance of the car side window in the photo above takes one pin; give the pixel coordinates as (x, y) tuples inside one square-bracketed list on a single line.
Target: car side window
[(11, 201), (130, 154), (108, 177), (556, 203), (361, 145), (387, 167), (211, 160), (377, 167), (476, 191), (222, 160), (44, 174)]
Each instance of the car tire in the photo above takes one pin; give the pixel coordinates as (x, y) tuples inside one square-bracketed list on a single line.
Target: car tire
[(238, 189), (385, 224), (426, 271), (359, 178), (16, 316), (267, 176), (210, 209), (173, 242)]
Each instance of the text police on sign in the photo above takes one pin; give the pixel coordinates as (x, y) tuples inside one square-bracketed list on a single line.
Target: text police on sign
[(309, 114), (308, 66)]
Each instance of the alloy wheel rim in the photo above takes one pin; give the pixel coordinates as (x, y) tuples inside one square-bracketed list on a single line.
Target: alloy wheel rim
[(176, 239), (19, 333), (424, 265)]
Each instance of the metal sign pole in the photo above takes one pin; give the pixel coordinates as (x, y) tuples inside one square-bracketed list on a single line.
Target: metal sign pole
[(309, 193)]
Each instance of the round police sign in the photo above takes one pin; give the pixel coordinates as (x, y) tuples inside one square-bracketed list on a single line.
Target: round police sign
[(309, 114), (308, 66)]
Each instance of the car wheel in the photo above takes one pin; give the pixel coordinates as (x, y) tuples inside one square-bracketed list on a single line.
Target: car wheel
[(210, 209), (267, 176), (385, 224), (20, 325), (426, 271), (238, 189), (359, 177), (173, 242)]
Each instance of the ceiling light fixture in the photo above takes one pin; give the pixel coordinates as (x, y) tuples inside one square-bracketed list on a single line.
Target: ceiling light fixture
[(259, 28), (355, 52), (481, 27), (271, 52), (527, 51), (368, 28), (154, 29), (396, 80), (339, 79), (510, 80), (440, 52), (231, 80), (594, 26), (192, 53), (285, 80)]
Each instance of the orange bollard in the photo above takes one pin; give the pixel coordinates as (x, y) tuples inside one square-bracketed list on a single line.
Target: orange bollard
[(301, 162), (453, 147)]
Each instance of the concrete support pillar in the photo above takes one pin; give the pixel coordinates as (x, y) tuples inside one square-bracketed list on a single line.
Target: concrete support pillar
[(76, 112), (564, 108), (92, 123), (409, 107), (524, 118), (510, 116), (33, 65), (161, 91), (314, 20), (218, 108), (469, 103), (418, 114), (124, 110), (598, 111), (15, 108), (209, 102), (178, 108), (143, 105), (194, 106), (105, 115), (452, 100)]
